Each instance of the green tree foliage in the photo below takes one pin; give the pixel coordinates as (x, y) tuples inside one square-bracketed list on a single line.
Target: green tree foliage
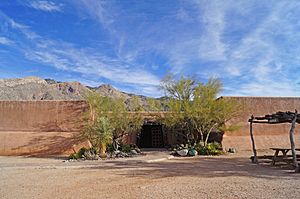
[(194, 109), (110, 119), (124, 120), (99, 132)]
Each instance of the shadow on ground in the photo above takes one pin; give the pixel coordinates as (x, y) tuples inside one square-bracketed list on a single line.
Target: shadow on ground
[(204, 167)]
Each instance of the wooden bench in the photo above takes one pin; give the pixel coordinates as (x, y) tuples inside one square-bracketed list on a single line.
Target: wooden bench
[(281, 158)]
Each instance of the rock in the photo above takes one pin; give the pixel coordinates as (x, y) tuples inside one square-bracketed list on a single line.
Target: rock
[(182, 152), (193, 152), (232, 150), (133, 152), (137, 150), (120, 154), (88, 155)]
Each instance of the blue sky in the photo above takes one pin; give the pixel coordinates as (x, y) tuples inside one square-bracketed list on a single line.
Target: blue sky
[(252, 46)]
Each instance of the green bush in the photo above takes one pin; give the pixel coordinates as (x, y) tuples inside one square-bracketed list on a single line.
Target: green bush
[(74, 156), (213, 148), (110, 148), (126, 148), (83, 153)]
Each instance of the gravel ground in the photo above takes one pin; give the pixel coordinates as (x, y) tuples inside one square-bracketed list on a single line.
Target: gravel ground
[(231, 176)]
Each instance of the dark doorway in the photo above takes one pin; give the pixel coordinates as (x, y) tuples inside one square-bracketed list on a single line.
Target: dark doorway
[(151, 136)]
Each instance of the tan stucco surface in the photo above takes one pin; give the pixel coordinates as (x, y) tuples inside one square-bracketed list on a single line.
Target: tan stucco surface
[(48, 127), (266, 135), (39, 127)]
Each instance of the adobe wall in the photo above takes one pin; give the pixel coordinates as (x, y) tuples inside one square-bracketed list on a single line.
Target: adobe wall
[(41, 115), (39, 127), (48, 127), (266, 135)]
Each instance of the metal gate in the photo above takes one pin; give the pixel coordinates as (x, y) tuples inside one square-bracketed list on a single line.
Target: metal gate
[(157, 137), (151, 136)]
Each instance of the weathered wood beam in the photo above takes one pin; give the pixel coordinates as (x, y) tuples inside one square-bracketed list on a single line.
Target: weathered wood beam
[(254, 160), (295, 163)]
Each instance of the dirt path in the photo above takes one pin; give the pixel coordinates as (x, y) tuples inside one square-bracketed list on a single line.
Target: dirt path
[(201, 177)]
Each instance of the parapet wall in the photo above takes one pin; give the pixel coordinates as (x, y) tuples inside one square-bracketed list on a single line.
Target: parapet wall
[(41, 115), (48, 127), (40, 127), (266, 135)]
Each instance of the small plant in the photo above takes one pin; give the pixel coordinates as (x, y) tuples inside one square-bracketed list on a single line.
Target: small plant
[(126, 148), (110, 148), (84, 153), (74, 156), (213, 148)]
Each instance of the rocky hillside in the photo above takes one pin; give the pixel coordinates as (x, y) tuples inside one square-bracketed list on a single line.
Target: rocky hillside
[(35, 88)]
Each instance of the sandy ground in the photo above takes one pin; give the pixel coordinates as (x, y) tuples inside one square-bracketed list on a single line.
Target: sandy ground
[(229, 176)]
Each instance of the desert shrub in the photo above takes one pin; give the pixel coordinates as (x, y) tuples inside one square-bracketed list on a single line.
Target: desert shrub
[(126, 148), (110, 148), (74, 156), (201, 149), (213, 148), (84, 153)]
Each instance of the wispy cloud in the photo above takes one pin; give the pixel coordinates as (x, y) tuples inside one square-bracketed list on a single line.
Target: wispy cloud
[(87, 61), (5, 41), (212, 38), (48, 6), (97, 9), (267, 59), (211, 46), (251, 45), (69, 58)]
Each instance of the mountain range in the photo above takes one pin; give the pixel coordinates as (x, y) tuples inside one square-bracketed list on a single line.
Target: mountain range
[(35, 88)]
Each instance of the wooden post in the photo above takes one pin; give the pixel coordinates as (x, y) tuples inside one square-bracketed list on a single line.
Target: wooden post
[(254, 160), (295, 163)]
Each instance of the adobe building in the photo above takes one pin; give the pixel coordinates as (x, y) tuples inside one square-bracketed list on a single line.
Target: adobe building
[(265, 135), (50, 127)]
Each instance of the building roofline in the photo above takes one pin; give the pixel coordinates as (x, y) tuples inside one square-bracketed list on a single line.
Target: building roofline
[(261, 97)]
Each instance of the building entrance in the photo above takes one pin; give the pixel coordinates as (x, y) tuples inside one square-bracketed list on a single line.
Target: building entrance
[(151, 136)]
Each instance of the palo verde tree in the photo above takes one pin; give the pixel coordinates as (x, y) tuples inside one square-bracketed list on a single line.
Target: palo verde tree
[(126, 119), (210, 113), (194, 109), (179, 95), (98, 129), (110, 119)]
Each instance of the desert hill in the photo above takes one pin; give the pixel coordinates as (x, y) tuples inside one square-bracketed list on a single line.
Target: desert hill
[(35, 88)]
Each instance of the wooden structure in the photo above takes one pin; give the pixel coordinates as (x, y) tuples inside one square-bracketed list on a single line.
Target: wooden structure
[(277, 118), (284, 156)]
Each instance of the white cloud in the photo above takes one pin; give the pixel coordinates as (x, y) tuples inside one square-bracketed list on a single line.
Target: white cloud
[(85, 61), (47, 6), (66, 57), (265, 62), (6, 41), (211, 46), (97, 9), (251, 45)]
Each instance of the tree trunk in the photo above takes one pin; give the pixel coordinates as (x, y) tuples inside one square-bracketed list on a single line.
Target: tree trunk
[(92, 114), (102, 150), (254, 160), (207, 136), (295, 163), (201, 136)]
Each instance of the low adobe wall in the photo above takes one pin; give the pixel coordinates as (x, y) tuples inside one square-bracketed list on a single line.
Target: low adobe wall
[(40, 127), (50, 127), (41, 115), (265, 135)]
